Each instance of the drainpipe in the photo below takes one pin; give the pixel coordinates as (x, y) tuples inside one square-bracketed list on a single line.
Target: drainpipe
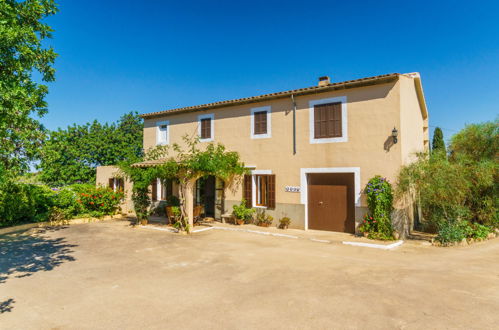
[(294, 123)]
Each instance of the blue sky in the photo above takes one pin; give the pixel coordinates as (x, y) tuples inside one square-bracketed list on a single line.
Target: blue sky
[(118, 56)]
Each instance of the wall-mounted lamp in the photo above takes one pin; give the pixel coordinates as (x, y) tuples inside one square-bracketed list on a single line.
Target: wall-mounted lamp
[(395, 133)]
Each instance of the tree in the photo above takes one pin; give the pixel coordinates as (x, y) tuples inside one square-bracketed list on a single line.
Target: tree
[(438, 144), (72, 154), (477, 142), (185, 164), (21, 53)]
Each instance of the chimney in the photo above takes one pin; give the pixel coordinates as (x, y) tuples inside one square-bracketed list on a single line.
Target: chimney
[(324, 81)]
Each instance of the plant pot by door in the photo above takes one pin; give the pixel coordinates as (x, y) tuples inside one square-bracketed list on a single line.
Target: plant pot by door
[(240, 221), (143, 222)]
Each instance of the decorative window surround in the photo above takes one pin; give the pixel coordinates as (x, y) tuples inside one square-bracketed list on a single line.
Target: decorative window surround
[(253, 185), (268, 109), (212, 129), (304, 183), (162, 135), (344, 119)]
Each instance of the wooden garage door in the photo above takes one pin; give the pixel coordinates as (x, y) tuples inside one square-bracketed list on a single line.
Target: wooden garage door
[(330, 205)]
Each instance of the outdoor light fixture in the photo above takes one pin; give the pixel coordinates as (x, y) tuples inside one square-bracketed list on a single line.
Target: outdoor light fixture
[(395, 133)]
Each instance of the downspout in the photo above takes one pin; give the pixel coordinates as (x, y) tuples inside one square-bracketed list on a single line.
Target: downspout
[(294, 123)]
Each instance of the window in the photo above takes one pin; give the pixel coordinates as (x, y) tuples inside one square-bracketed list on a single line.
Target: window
[(259, 190), (206, 128), (328, 120), (162, 134), (260, 122), (116, 184), (206, 125)]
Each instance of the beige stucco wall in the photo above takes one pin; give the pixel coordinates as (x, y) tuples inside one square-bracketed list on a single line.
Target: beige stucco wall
[(104, 173), (372, 113), (412, 123)]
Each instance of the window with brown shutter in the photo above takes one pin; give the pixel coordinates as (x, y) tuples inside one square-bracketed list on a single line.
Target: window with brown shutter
[(265, 190), (111, 183), (206, 128), (154, 192), (327, 120), (271, 191), (247, 191), (260, 122)]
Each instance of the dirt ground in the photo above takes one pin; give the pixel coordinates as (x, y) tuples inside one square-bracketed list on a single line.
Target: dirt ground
[(110, 276)]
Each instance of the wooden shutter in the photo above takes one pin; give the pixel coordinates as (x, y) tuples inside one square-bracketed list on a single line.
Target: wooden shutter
[(111, 183), (247, 191), (271, 191), (206, 128), (260, 122), (154, 190), (327, 120), (334, 120)]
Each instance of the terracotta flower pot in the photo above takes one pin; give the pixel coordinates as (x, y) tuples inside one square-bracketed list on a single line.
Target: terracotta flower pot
[(366, 234), (263, 224), (143, 222), (240, 222)]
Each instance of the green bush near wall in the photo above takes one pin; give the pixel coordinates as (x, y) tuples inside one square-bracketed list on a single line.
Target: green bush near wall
[(23, 203), (378, 223)]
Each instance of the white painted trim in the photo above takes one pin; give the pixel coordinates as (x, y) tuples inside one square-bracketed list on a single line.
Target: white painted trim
[(158, 132), (304, 183), (344, 119), (268, 109), (206, 116), (249, 166), (159, 190), (253, 186), (376, 246)]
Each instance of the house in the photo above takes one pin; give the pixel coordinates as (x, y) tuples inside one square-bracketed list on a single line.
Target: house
[(310, 150)]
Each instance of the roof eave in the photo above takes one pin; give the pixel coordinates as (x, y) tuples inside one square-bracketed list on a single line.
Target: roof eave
[(297, 92)]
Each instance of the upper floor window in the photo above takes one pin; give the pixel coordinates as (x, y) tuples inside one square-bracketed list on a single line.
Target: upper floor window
[(328, 120), (206, 127), (260, 122), (162, 132)]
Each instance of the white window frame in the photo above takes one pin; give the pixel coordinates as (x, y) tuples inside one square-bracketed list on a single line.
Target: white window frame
[(254, 173), (212, 129), (159, 141), (304, 184), (267, 135), (344, 120)]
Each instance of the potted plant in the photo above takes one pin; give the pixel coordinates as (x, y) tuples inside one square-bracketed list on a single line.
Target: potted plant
[(263, 219), (242, 213), (284, 222), (368, 225)]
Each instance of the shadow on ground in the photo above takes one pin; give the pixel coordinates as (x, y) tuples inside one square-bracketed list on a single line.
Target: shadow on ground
[(22, 255), (6, 306)]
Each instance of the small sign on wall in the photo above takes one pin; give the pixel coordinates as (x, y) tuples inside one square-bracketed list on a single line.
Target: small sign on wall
[(292, 189)]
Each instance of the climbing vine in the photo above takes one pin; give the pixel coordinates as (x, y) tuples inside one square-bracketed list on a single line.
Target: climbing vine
[(379, 200)]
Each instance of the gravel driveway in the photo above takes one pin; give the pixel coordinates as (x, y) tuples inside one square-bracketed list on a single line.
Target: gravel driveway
[(111, 276)]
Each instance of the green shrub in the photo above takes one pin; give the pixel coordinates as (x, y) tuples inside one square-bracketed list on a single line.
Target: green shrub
[(479, 231), (172, 201), (242, 212), (452, 231), (379, 200), (263, 218), (23, 203), (99, 201)]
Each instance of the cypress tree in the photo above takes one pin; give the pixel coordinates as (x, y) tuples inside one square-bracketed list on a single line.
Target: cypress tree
[(438, 144)]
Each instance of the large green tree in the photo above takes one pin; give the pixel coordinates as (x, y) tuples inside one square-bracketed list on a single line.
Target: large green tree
[(438, 144), (22, 53), (71, 155)]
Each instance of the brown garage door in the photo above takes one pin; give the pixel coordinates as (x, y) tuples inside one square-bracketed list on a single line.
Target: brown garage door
[(331, 202)]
